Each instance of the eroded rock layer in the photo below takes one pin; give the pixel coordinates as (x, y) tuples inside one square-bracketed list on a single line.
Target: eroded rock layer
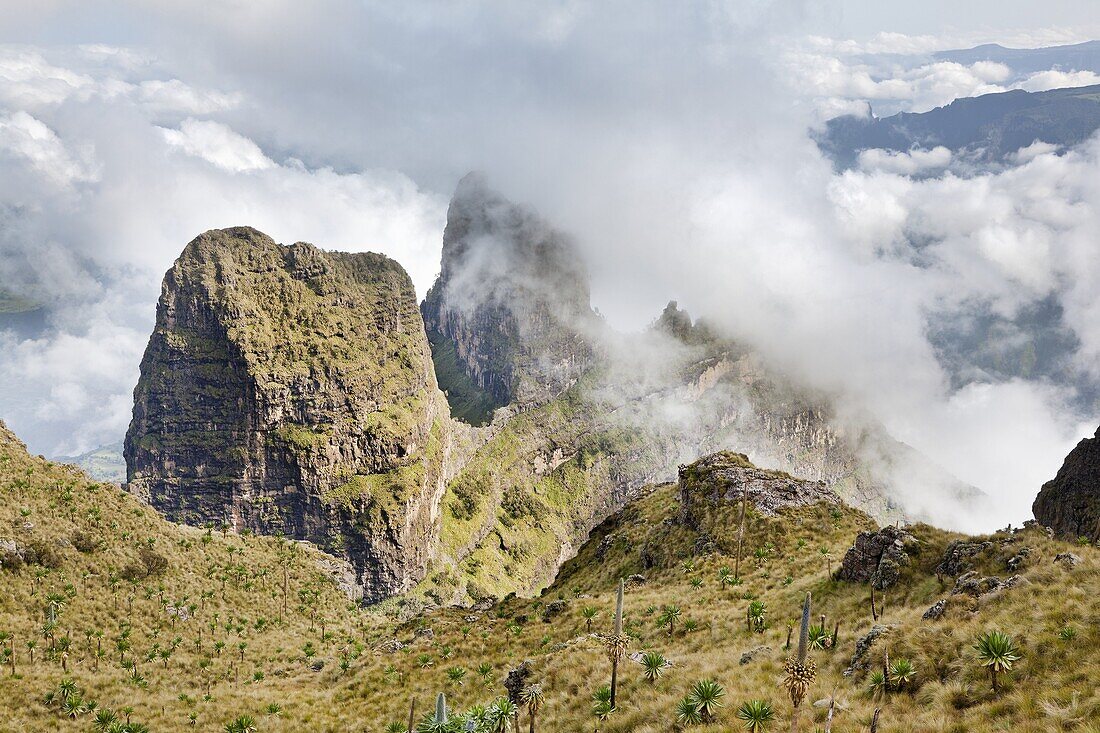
[(287, 390)]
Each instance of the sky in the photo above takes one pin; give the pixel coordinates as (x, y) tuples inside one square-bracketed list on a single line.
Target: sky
[(670, 139)]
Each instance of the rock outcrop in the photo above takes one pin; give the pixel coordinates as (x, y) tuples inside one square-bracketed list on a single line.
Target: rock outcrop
[(1070, 502), (290, 391), (510, 313), (877, 557), (726, 477), (959, 555)]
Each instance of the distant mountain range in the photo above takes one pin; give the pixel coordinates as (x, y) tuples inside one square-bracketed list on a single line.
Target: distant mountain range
[(1077, 57), (102, 464), (989, 128)]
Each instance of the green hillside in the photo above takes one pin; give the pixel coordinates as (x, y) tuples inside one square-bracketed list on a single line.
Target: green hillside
[(112, 572)]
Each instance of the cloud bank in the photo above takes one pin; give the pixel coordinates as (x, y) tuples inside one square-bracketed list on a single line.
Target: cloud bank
[(670, 140)]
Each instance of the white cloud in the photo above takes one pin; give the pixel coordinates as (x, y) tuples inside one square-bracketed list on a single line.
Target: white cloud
[(175, 96), (28, 138), (27, 80), (910, 163), (1033, 151), (1057, 79), (219, 145)]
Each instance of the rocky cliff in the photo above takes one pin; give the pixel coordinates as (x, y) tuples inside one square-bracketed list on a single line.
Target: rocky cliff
[(287, 390), (509, 315), (1070, 502)]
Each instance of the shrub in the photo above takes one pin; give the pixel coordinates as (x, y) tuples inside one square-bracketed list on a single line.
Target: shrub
[(43, 553), (85, 542), (150, 563), (10, 560)]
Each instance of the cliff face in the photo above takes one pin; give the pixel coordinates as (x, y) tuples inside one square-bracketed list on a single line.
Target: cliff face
[(509, 315), (290, 391), (1070, 502), (529, 495)]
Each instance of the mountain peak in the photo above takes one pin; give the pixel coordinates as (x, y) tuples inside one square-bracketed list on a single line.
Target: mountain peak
[(512, 301)]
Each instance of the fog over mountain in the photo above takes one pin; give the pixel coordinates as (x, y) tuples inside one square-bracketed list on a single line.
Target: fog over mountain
[(672, 143)]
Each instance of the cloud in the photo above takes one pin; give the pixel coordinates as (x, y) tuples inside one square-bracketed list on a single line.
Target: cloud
[(910, 163), (29, 81), (219, 145), (669, 140), (1057, 79), (24, 137)]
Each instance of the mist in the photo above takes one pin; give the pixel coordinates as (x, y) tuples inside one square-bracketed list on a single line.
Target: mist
[(670, 142)]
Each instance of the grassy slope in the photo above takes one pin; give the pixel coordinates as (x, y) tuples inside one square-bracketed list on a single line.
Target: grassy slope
[(48, 505), (952, 695)]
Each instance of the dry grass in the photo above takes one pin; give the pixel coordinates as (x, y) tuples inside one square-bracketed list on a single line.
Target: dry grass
[(1052, 688)]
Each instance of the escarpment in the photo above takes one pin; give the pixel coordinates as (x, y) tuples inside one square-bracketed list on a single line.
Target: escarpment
[(290, 391), (509, 316), (296, 392)]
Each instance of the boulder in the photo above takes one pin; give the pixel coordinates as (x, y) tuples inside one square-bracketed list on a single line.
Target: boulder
[(554, 608), (936, 610), (753, 653), (1068, 560), (957, 556), (517, 680), (860, 661), (877, 557), (723, 478)]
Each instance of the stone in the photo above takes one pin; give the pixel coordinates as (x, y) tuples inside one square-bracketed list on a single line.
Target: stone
[(724, 477), (553, 609), (636, 580), (975, 585), (1068, 560), (972, 584), (1018, 560), (1070, 502), (936, 610), (863, 647), (957, 556), (753, 653), (391, 646), (290, 391), (606, 543), (424, 632), (877, 557), (517, 680)]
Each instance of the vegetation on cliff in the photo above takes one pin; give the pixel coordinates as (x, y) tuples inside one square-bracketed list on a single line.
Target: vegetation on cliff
[(290, 391)]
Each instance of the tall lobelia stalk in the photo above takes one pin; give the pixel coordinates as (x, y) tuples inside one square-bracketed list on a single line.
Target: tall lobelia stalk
[(441, 709), (616, 642), (741, 533), (800, 670)]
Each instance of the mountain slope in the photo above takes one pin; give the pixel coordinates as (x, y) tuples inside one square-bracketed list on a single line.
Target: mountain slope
[(990, 128), (1073, 57), (108, 565), (138, 612)]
